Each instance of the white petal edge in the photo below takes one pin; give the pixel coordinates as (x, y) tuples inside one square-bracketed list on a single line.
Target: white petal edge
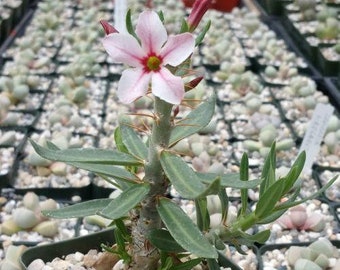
[(123, 48), (177, 49), (151, 32), (133, 84), (167, 86)]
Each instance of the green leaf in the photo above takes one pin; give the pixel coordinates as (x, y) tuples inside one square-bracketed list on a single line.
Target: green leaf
[(129, 26), (127, 200), (202, 214), (181, 176), (269, 198), (289, 204), (107, 170), (260, 237), (188, 265), (78, 210), (163, 240), (119, 141), (228, 180), (294, 172), (268, 171), (223, 196), (133, 142), (244, 176), (202, 34), (278, 213), (184, 26), (194, 121), (87, 155), (183, 230), (213, 264)]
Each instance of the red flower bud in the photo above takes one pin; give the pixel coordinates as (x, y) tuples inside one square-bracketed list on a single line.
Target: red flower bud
[(193, 83), (199, 8), (108, 28)]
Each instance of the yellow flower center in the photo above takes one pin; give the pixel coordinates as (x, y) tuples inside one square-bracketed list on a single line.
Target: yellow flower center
[(153, 63)]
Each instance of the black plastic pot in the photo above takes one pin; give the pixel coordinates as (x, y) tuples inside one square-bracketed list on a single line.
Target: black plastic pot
[(83, 244), (327, 67)]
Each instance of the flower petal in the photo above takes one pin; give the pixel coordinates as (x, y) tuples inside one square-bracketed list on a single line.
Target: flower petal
[(177, 49), (151, 32), (167, 86), (116, 46), (133, 84)]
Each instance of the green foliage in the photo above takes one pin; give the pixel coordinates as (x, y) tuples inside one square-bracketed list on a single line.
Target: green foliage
[(183, 230), (194, 121), (127, 200), (87, 155), (78, 210)]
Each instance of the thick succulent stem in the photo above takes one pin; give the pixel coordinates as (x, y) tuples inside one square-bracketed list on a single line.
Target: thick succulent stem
[(146, 218)]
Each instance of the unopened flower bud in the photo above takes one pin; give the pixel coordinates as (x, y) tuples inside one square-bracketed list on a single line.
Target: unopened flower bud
[(199, 8), (108, 28), (193, 83)]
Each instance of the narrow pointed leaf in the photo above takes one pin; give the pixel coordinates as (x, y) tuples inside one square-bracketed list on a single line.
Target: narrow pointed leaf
[(278, 213), (88, 155), (202, 33), (213, 264), (194, 121), (260, 237), (181, 176), (287, 205), (202, 214), (163, 240), (228, 180), (119, 141), (107, 170), (244, 176), (223, 196), (268, 171), (133, 142), (78, 210), (269, 198), (129, 26), (188, 265), (127, 200), (183, 230), (294, 172)]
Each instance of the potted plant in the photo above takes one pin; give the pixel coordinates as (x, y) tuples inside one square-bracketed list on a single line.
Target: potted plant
[(151, 230)]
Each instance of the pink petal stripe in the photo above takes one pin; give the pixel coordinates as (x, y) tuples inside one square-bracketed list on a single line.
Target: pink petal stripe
[(123, 48), (151, 32), (177, 49), (133, 84), (167, 86)]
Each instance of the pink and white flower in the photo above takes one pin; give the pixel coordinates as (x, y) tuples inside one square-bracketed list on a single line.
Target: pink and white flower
[(149, 58)]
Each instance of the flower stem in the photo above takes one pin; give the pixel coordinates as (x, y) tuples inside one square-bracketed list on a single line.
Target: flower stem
[(146, 218)]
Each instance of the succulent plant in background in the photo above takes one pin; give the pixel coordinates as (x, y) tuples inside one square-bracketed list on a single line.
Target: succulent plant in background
[(244, 83), (7, 118), (283, 73), (267, 135), (152, 231), (328, 30), (44, 167), (74, 86), (331, 141), (298, 218), (14, 89), (315, 256), (337, 48), (29, 217), (307, 9)]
